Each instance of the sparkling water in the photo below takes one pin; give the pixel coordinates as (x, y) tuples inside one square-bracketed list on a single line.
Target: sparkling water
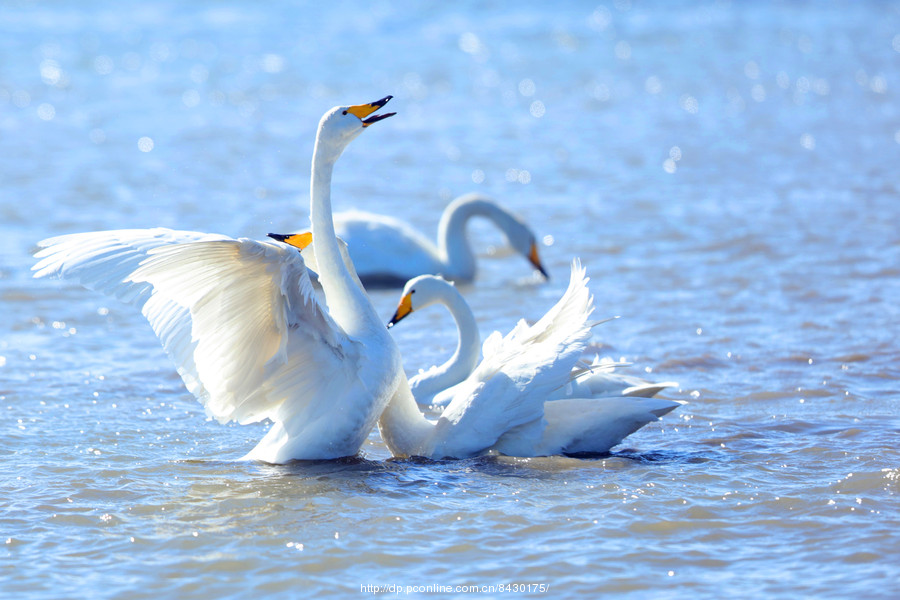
[(727, 172)]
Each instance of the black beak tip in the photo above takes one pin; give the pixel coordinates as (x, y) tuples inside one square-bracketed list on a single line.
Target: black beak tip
[(278, 236)]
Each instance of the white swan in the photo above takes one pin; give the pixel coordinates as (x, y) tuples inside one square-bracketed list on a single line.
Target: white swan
[(431, 387), (242, 323), (519, 373), (388, 252), (503, 406)]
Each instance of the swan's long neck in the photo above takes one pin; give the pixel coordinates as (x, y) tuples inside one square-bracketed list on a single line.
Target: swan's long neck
[(452, 242), (346, 301), (464, 359), (404, 429)]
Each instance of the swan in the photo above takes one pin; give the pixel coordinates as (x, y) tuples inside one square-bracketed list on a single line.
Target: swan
[(430, 387), (388, 252), (511, 403), (503, 405), (242, 322)]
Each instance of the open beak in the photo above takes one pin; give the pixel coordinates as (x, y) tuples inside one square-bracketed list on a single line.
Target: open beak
[(535, 260), (361, 111), (297, 240), (403, 309)]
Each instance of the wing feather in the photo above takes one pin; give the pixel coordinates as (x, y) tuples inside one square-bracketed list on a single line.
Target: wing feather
[(510, 385), (239, 317), (102, 260)]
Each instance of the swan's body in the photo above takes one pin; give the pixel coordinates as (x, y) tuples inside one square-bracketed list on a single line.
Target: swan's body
[(387, 252), (242, 323), (534, 366), (434, 387)]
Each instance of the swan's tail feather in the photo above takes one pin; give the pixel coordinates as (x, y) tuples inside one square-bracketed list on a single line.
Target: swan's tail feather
[(591, 369), (648, 390)]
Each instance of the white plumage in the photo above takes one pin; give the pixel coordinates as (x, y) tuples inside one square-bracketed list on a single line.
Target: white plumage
[(252, 342), (533, 366), (434, 386), (241, 321), (387, 251)]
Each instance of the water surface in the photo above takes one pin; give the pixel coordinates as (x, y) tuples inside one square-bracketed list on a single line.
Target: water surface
[(727, 172)]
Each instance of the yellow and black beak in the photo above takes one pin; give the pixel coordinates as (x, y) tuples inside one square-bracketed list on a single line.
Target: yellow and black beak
[(403, 309), (297, 240), (535, 260), (361, 111)]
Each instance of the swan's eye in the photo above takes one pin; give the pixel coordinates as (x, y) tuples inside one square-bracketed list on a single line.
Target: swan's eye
[(344, 113)]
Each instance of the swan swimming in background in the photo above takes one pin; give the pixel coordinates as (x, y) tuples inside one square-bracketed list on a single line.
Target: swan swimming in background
[(502, 405), (430, 387), (388, 252), (242, 322)]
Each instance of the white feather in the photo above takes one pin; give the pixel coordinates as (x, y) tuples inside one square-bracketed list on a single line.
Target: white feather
[(241, 321), (523, 399), (387, 252)]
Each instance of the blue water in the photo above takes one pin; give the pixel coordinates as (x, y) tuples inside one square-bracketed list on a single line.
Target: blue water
[(727, 172)]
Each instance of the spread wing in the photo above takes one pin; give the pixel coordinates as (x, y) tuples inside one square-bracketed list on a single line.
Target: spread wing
[(518, 373), (239, 317), (102, 260)]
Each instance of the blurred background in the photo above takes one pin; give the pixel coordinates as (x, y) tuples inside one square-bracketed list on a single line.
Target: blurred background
[(727, 172)]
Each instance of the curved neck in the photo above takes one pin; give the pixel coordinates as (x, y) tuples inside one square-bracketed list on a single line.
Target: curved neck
[(464, 359), (347, 302), (404, 429), (453, 244)]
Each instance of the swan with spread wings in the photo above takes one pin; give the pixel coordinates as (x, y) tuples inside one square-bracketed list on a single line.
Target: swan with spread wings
[(241, 320)]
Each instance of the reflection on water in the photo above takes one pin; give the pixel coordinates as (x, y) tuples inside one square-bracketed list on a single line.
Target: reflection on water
[(724, 170)]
